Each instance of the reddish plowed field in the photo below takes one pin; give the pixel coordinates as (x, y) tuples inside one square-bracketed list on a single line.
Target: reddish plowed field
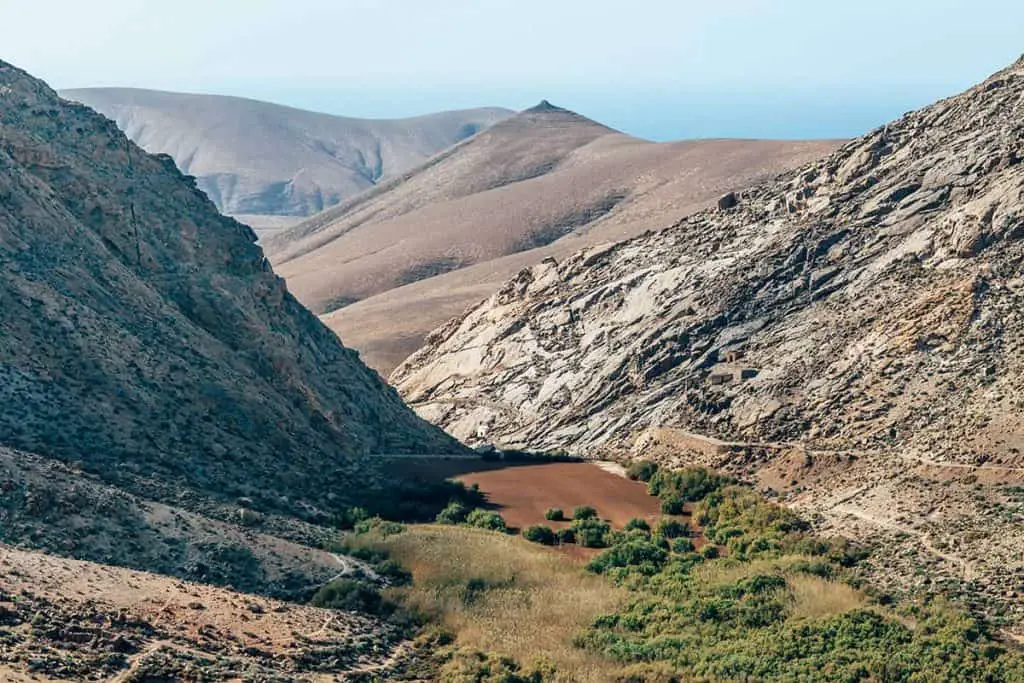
[(523, 494)]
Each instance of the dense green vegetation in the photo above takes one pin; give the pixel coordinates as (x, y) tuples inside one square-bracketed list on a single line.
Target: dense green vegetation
[(584, 512), (641, 470), (743, 591), (591, 532), (778, 606), (486, 519)]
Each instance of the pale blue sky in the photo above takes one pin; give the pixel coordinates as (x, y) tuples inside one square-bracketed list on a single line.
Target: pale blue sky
[(656, 68)]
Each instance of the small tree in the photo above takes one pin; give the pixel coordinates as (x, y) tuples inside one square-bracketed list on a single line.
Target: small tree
[(565, 536), (637, 524), (709, 552), (671, 528), (641, 470), (592, 533), (554, 514), (485, 519), (644, 555), (352, 596), (672, 506), (454, 513), (538, 533), (584, 512), (682, 545)]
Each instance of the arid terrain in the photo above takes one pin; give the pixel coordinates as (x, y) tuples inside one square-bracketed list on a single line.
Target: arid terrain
[(166, 405), (390, 265), (849, 332), (271, 166), (69, 620), (703, 422)]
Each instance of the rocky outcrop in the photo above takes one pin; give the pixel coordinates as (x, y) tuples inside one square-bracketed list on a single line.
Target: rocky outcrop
[(872, 299), (390, 265), (145, 337)]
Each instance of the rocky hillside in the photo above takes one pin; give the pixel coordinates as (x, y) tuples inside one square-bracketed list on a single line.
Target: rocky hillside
[(395, 262), (264, 163), (66, 620), (865, 311), (145, 338)]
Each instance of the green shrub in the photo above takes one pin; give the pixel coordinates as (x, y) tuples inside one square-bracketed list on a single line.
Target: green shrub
[(641, 470), (682, 545), (671, 528), (486, 519), (454, 513), (637, 524), (351, 596), (381, 526), (554, 514), (709, 551), (538, 533), (565, 536), (584, 512), (470, 666), (395, 574), (673, 506), (644, 555), (591, 532), (687, 485), (349, 517)]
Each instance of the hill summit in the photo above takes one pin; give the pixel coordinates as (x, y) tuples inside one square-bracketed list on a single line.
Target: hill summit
[(396, 261), (272, 165)]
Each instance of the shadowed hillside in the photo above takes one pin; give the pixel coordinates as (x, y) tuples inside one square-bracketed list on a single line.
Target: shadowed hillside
[(145, 337)]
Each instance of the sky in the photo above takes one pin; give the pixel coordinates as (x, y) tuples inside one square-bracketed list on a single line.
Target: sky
[(659, 69)]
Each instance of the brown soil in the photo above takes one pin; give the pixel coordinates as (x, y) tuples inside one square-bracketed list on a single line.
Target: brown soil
[(523, 494)]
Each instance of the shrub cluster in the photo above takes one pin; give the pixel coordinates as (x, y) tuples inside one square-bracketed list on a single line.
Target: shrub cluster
[(457, 513), (682, 624), (584, 512), (538, 533), (591, 532), (641, 470), (675, 488), (554, 515)]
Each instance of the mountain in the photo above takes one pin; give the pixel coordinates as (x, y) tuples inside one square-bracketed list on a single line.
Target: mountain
[(270, 165), (145, 340), (850, 334), (398, 260)]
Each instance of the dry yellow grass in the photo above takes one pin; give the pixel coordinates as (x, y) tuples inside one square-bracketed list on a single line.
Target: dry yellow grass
[(534, 603), (814, 597)]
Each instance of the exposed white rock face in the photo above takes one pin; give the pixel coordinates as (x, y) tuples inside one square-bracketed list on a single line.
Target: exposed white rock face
[(869, 299)]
